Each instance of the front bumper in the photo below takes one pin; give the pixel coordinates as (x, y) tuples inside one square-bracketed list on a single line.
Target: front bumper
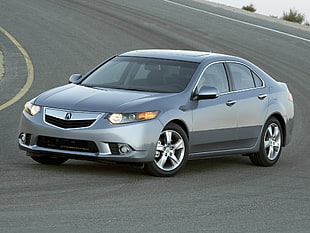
[(140, 138)]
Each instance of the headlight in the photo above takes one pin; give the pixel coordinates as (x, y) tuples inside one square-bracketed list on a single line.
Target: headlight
[(31, 108), (121, 118)]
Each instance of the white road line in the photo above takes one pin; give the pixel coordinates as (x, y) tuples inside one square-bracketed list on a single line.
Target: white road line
[(238, 21)]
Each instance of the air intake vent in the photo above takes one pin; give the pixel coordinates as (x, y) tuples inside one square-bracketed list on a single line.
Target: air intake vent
[(67, 144)]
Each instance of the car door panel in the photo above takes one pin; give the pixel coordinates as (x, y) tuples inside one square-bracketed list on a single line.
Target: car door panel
[(214, 120), (252, 110), (252, 98), (214, 125)]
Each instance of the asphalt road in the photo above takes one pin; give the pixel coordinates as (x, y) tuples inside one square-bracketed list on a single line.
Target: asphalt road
[(214, 195)]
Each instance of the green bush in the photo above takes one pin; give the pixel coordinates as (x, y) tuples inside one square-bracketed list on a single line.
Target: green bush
[(249, 8), (293, 16)]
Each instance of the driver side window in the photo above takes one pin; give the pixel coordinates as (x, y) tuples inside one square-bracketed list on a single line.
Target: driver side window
[(215, 76)]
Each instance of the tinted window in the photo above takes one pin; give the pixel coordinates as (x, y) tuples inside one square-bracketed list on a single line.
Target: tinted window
[(113, 72), (258, 82), (241, 76), (215, 76), (143, 74)]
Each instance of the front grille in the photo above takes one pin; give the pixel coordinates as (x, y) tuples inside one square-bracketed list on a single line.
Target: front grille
[(66, 124), (67, 144)]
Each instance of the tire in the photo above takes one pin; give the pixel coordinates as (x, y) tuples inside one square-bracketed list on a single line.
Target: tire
[(48, 160), (270, 145), (171, 152)]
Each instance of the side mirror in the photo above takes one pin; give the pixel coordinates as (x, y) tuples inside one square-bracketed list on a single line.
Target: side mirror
[(206, 93), (75, 78)]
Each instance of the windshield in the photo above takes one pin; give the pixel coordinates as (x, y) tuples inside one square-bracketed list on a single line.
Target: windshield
[(143, 74)]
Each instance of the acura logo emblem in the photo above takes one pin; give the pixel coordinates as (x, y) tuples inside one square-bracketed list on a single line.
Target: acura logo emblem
[(68, 116)]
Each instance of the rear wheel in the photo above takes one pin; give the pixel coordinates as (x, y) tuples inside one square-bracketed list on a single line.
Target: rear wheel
[(47, 159), (271, 144), (171, 152)]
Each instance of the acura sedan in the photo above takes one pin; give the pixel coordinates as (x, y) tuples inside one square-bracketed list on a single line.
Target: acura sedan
[(158, 109)]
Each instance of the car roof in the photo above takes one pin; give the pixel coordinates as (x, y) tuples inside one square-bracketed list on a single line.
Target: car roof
[(182, 55)]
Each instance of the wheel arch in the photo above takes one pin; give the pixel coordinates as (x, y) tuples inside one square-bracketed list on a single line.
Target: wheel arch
[(181, 124)]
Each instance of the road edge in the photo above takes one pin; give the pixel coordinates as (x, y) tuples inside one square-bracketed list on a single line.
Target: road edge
[(256, 15)]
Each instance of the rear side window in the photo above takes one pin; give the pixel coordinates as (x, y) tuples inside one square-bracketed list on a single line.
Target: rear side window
[(258, 82), (241, 76)]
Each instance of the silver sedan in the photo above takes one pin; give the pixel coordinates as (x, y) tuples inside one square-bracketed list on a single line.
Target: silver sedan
[(159, 108)]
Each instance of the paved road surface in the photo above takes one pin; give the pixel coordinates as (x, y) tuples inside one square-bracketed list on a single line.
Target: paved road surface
[(214, 195)]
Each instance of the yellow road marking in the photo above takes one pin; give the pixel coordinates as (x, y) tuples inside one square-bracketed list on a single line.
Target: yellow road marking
[(1, 66), (30, 76)]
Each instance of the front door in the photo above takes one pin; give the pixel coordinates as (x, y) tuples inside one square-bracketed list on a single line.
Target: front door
[(214, 120)]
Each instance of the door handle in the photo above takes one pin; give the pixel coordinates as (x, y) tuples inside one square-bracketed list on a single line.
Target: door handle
[(262, 96), (231, 102)]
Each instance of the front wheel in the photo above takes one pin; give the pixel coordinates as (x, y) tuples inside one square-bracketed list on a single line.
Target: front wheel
[(47, 159), (171, 152), (271, 144)]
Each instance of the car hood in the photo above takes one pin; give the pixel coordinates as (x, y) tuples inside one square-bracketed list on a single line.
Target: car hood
[(82, 98)]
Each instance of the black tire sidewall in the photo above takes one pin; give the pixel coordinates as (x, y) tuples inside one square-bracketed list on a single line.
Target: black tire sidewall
[(47, 160), (261, 158)]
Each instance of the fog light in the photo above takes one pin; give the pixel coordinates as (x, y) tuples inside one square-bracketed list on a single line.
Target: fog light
[(25, 138), (22, 137), (124, 148)]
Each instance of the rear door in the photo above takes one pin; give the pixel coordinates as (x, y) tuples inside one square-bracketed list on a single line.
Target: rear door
[(252, 103)]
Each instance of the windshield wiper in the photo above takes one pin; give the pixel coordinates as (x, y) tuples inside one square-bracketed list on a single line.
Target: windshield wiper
[(95, 87), (119, 88), (133, 89)]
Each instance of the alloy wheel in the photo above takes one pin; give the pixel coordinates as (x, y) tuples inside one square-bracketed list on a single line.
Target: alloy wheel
[(272, 141), (170, 150)]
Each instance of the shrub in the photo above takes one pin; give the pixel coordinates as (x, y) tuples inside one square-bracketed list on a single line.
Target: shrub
[(249, 8), (293, 16)]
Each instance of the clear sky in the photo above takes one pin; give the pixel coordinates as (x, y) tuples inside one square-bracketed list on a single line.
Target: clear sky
[(272, 7)]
